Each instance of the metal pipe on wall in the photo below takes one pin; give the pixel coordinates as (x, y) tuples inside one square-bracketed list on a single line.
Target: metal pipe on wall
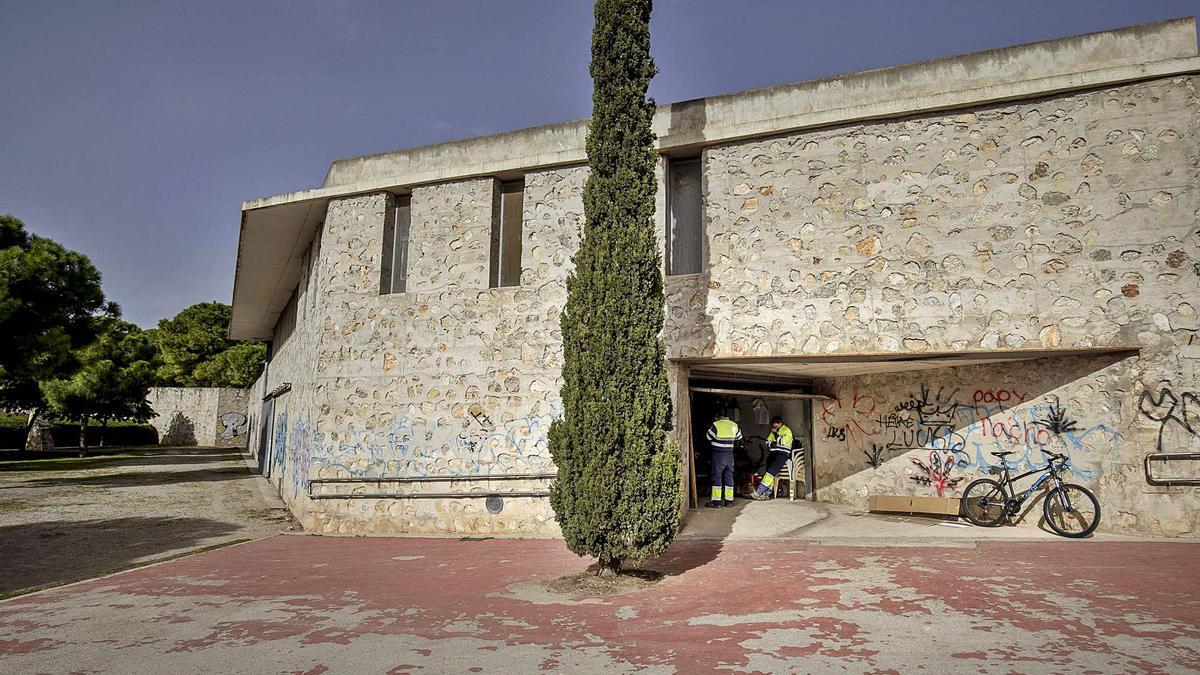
[(432, 479), (431, 495)]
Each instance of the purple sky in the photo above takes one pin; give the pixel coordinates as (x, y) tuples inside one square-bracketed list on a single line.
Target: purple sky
[(132, 131)]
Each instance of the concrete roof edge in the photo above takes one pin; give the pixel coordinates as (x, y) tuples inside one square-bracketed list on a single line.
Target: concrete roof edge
[(1023, 353), (729, 117)]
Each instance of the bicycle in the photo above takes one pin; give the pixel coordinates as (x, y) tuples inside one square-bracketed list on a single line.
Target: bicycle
[(1071, 510)]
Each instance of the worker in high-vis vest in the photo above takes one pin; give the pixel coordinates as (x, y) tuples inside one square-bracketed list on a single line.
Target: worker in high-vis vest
[(779, 447), (722, 436)]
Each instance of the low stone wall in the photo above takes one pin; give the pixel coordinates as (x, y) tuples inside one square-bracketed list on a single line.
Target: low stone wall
[(206, 416)]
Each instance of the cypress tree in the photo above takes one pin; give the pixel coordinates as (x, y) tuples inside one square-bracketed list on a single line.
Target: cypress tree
[(618, 492)]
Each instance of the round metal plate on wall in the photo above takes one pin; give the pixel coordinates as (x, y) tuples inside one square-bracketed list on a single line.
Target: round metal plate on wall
[(494, 504)]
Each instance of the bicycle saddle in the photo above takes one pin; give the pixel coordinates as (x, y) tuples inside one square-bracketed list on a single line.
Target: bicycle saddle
[(1002, 455)]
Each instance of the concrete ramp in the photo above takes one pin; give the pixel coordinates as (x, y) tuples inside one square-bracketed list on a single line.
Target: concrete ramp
[(753, 520)]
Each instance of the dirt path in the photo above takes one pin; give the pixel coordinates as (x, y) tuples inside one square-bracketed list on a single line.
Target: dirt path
[(69, 519)]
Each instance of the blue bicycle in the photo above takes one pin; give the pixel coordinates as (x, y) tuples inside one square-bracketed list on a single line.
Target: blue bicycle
[(1071, 510)]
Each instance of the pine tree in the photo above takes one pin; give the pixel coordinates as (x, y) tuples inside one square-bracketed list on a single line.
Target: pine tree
[(618, 492)]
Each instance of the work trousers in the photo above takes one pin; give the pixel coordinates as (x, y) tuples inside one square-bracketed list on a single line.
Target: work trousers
[(776, 460), (722, 476)]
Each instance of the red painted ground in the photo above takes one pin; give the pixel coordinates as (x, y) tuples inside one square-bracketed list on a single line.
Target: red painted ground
[(331, 604)]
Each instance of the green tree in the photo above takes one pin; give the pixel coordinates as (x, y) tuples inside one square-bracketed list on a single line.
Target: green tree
[(195, 350), (49, 298), (618, 493), (115, 374)]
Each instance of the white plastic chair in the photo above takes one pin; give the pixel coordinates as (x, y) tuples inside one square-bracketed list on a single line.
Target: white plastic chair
[(790, 470)]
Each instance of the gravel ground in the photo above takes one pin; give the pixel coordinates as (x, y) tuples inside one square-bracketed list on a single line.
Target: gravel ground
[(69, 519)]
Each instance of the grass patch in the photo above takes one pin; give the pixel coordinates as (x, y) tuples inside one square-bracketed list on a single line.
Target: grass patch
[(68, 459)]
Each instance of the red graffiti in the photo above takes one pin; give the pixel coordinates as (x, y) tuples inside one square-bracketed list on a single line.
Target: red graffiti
[(851, 418), (936, 473), (1000, 396), (1014, 431)]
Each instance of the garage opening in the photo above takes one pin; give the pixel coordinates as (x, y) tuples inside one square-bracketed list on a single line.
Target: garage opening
[(752, 390), (752, 404)]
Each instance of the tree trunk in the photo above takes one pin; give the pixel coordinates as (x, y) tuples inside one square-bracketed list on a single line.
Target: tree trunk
[(33, 417), (609, 568), (103, 428), (83, 436)]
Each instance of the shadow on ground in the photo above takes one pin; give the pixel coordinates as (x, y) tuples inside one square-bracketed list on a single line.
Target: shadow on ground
[(60, 460), (138, 478), (688, 554), (99, 546)]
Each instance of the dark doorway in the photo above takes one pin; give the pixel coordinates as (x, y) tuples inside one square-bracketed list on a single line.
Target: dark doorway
[(751, 405), (265, 432)]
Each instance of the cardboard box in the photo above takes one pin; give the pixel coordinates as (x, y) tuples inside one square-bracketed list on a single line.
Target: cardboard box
[(941, 506)]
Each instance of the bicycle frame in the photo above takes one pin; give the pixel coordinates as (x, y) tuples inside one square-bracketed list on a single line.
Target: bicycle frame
[(1048, 472)]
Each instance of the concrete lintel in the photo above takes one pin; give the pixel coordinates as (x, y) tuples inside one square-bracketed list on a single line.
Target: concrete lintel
[(875, 357), (780, 368)]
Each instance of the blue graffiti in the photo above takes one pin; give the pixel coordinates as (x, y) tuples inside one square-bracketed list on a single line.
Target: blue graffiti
[(1027, 431), (444, 449), (279, 447)]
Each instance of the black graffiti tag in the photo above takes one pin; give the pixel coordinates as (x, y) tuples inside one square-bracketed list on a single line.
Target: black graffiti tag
[(1169, 407)]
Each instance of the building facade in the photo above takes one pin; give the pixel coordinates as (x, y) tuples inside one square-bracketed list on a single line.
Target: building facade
[(998, 251)]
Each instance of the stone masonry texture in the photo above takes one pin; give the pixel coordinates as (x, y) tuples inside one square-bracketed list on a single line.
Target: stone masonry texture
[(1060, 223), (207, 416)]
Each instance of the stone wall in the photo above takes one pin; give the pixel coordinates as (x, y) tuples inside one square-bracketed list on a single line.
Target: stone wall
[(931, 432), (207, 416), (1068, 222), (1061, 223), (289, 425), (450, 380)]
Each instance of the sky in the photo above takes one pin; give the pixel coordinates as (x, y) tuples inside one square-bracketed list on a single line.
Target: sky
[(132, 131)]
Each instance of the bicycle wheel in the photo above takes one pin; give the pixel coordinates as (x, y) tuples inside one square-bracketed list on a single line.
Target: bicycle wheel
[(983, 503), (1071, 511)]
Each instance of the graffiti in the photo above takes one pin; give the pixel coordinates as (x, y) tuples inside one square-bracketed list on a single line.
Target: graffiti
[(307, 445), (1014, 431), (1056, 420), (964, 428), (894, 421), (874, 455), (936, 472), (936, 412), (472, 445), (1000, 396), (477, 414), (932, 428), (854, 415), (1170, 407), (233, 425), (279, 447)]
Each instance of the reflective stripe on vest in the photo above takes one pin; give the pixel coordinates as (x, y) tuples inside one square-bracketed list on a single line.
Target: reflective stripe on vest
[(780, 441), (723, 434)]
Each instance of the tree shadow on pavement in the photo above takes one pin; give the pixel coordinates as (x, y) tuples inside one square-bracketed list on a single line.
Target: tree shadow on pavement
[(138, 478), (181, 456), (688, 553), (54, 552), (15, 460)]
